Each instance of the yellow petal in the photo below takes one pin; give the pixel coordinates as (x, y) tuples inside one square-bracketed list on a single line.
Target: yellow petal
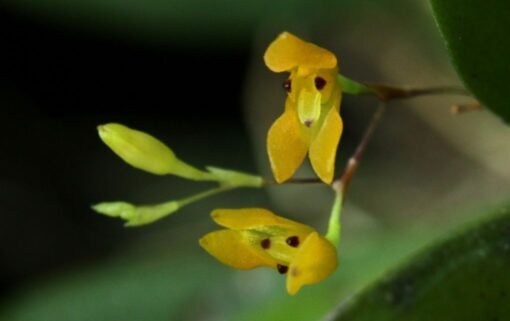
[(286, 146), (288, 51), (323, 147), (315, 261), (256, 218), (235, 249)]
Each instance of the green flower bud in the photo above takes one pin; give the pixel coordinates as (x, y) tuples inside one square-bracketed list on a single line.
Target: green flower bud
[(145, 152), (136, 215)]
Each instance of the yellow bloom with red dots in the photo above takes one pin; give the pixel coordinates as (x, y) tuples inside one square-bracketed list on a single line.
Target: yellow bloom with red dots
[(256, 237), (311, 122)]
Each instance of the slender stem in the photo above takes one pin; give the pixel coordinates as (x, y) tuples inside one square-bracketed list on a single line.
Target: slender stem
[(353, 87), (334, 232), (341, 184), (353, 162), (387, 93), (208, 193)]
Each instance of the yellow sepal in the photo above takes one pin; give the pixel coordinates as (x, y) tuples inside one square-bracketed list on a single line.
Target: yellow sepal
[(236, 249), (256, 219), (315, 261), (288, 51), (286, 146), (323, 148)]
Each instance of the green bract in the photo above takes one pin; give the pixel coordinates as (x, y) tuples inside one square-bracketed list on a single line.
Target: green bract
[(136, 215)]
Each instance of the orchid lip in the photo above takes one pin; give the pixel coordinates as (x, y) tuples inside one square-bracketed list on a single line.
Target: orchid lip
[(309, 106)]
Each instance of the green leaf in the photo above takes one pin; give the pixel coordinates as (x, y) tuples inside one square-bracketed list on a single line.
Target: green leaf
[(476, 34), (129, 289), (463, 278)]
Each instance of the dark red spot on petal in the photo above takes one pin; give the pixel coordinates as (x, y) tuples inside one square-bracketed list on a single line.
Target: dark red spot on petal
[(265, 243), (320, 83), (293, 241), (287, 85), (282, 269)]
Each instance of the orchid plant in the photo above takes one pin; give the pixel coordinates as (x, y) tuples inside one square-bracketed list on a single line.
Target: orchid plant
[(310, 124)]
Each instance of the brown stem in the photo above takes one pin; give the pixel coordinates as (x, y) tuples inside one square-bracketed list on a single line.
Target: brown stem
[(387, 93), (341, 184), (464, 108)]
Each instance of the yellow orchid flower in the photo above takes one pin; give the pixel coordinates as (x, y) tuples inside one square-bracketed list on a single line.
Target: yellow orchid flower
[(311, 121), (256, 237)]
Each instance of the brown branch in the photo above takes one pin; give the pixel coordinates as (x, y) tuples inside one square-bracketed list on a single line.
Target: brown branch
[(341, 184), (459, 109), (387, 93)]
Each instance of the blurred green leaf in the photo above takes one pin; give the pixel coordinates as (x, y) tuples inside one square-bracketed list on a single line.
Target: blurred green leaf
[(194, 22), (463, 278), (476, 34), (127, 289)]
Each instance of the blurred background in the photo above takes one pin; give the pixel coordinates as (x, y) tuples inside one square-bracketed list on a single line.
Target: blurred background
[(191, 73)]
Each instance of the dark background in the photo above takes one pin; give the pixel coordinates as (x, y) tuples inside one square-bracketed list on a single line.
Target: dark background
[(57, 84), (191, 74)]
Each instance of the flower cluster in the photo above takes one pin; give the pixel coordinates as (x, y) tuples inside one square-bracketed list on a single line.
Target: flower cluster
[(254, 237)]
